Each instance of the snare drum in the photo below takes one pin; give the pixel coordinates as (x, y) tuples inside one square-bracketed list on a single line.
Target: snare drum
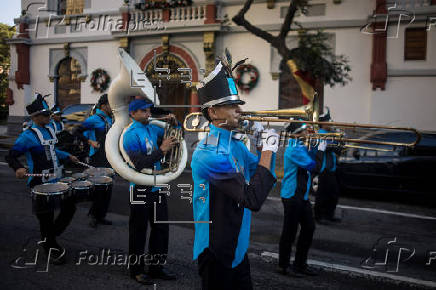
[(67, 180), (102, 186), (49, 196), (80, 176), (82, 190), (100, 171)]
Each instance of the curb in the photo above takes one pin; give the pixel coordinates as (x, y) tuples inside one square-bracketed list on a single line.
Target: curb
[(359, 272)]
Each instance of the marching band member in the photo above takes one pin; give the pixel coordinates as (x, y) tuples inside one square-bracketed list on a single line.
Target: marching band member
[(327, 195), (229, 183), (93, 132), (299, 164), (56, 122), (141, 143), (37, 144)]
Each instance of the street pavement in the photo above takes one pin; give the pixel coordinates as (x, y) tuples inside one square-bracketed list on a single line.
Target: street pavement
[(339, 251)]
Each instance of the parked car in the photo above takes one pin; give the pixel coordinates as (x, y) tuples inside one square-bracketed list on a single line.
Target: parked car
[(74, 115), (404, 172)]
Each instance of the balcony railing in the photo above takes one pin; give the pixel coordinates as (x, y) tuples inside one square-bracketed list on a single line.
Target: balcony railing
[(188, 13), (180, 15)]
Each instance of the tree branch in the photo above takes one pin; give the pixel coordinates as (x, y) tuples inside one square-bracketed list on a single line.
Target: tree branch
[(286, 27), (241, 21)]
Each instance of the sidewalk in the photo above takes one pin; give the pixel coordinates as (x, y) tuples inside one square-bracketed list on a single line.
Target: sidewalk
[(5, 140)]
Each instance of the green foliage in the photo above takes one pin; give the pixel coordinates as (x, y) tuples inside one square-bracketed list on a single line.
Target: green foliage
[(6, 32), (314, 55)]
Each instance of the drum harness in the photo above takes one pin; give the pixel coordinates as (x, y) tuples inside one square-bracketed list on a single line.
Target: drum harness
[(50, 153), (106, 123), (56, 129)]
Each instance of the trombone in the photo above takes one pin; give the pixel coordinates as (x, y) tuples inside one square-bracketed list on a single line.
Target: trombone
[(284, 115)]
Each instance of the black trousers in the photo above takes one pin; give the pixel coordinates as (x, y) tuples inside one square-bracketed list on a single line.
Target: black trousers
[(327, 196), (296, 212), (102, 198), (50, 227), (215, 276), (140, 216)]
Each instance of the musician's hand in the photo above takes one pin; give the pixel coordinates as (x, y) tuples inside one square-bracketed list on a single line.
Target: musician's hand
[(257, 129), (271, 141), (74, 159), (172, 119), (94, 144), (322, 145), (167, 144), (21, 173)]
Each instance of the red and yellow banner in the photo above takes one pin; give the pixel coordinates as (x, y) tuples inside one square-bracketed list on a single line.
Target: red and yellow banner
[(305, 81)]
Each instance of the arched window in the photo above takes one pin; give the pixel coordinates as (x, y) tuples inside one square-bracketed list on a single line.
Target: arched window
[(68, 82)]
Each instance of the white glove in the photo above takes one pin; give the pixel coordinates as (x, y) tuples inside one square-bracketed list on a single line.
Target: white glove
[(257, 127), (257, 132), (270, 142), (322, 145)]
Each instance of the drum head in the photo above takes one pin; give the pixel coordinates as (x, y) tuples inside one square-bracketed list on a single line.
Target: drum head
[(81, 184), (100, 180), (68, 180), (100, 171), (51, 188), (80, 175)]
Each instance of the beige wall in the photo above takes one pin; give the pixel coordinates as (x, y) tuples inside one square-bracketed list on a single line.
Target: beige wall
[(108, 61), (242, 45), (350, 103), (407, 101)]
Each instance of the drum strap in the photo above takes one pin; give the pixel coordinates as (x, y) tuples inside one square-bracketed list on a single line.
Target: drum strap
[(50, 153), (106, 123), (57, 131)]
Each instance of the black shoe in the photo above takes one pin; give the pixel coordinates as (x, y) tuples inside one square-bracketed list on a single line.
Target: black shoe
[(306, 270), (282, 270), (104, 222), (294, 273), (335, 220), (93, 222), (287, 272), (162, 273), (143, 279)]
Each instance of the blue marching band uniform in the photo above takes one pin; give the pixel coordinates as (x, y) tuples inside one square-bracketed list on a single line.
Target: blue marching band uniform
[(57, 125), (229, 183), (299, 167), (95, 128), (37, 144), (327, 196), (141, 142)]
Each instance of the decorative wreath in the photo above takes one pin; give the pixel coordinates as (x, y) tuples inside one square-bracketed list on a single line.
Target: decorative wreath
[(100, 80), (254, 77)]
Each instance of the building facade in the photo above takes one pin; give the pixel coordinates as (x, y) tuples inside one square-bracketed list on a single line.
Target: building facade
[(391, 46)]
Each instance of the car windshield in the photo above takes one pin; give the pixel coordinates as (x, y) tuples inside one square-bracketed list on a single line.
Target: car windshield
[(77, 108)]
